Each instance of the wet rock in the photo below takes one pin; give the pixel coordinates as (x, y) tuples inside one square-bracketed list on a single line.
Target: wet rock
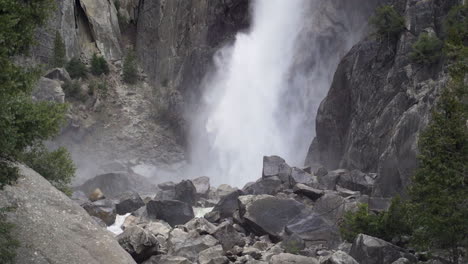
[(271, 185), (114, 184), (172, 211), (213, 255), (224, 189), (265, 214), (102, 209), (166, 191), (202, 185), (228, 204), (49, 90), (186, 192), (128, 203), (201, 226), (308, 192), (371, 250), (164, 259), (286, 258), (139, 243), (228, 236)]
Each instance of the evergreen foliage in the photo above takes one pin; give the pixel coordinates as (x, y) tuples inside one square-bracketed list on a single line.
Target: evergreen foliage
[(56, 166), (99, 65), (76, 68), (59, 51), (130, 74), (385, 225), (427, 49), (439, 192), (387, 22)]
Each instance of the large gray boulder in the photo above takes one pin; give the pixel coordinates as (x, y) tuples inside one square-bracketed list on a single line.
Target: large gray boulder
[(358, 181), (172, 211), (165, 259), (371, 250), (339, 257), (115, 184), (102, 209), (275, 166), (271, 185), (49, 90), (268, 215), (104, 28), (186, 192), (315, 230), (228, 204), (202, 185), (139, 243), (286, 258), (128, 202), (51, 228), (191, 247), (228, 236)]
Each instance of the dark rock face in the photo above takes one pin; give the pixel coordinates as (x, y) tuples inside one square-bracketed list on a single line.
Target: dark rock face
[(102, 209), (371, 250), (139, 243), (114, 184), (228, 204), (128, 203), (186, 192), (268, 215), (379, 102), (172, 211)]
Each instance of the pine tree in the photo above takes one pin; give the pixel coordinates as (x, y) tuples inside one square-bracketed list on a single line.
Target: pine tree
[(59, 51), (130, 74), (439, 193)]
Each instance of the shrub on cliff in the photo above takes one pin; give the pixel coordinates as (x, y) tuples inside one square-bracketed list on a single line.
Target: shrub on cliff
[(59, 51), (427, 49), (387, 22), (99, 65), (130, 70), (76, 68)]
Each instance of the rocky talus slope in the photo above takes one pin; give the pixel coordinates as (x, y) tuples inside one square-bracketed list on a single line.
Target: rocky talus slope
[(380, 101)]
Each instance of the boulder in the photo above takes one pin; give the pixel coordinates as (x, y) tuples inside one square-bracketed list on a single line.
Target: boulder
[(339, 257), (276, 166), (314, 229), (157, 228), (104, 29), (59, 74), (228, 204), (166, 191), (202, 185), (268, 215), (286, 258), (308, 192), (201, 226), (358, 181), (172, 211), (228, 236), (320, 172), (300, 176), (49, 90), (224, 189), (191, 247), (51, 228), (186, 192), (329, 181), (139, 243), (371, 250), (102, 209), (165, 259), (213, 255), (271, 185), (128, 202), (114, 184)]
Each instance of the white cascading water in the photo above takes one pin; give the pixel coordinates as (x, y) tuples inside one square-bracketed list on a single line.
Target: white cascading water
[(242, 120)]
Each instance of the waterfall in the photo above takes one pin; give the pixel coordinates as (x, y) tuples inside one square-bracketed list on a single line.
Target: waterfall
[(240, 122)]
